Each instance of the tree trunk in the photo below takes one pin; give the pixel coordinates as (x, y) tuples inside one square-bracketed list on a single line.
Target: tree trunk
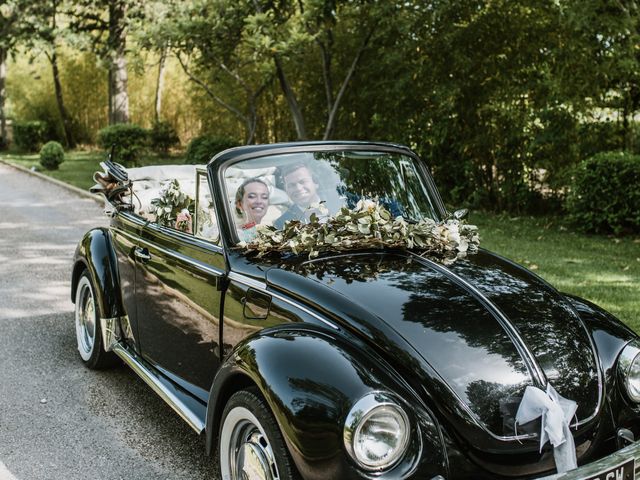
[(119, 98), (3, 120), (235, 111), (326, 69), (160, 84), (331, 120), (296, 113), (64, 115)]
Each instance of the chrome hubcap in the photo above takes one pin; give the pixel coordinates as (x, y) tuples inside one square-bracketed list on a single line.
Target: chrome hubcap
[(251, 461), (246, 453), (253, 456), (85, 319)]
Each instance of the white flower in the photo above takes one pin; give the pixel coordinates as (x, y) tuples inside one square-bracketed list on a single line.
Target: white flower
[(365, 205), (320, 208)]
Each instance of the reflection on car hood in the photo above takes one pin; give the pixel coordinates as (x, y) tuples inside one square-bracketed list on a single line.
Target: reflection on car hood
[(472, 325)]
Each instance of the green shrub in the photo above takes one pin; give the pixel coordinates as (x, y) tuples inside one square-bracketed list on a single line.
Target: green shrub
[(202, 149), (129, 139), (605, 193), (51, 155), (29, 136), (596, 137), (163, 136)]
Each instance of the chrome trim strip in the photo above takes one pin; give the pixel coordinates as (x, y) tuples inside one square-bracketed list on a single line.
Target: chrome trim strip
[(187, 237), (508, 327), (166, 231), (539, 376), (134, 238), (594, 350), (151, 379), (473, 290), (131, 217), (250, 282), (183, 258)]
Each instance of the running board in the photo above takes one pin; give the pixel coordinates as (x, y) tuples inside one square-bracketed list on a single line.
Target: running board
[(190, 409)]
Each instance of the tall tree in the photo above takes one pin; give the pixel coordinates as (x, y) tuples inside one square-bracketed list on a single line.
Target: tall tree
[(106, 23), (157, 104), (11, 29), (284, 32), (42, 21), (606, 56), (206, 36), (485, 73), (320, 20)]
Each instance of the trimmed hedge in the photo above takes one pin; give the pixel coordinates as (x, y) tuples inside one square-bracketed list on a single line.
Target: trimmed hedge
[(605, 194), (51, 155), (202, 149), (163, 136), (29, 136), (129, 139)]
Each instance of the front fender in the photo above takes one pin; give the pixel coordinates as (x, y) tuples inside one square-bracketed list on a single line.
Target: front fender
[(95, 253), (609, 334), (310, 379)]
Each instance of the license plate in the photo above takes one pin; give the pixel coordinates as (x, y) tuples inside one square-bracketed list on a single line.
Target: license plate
[(622, 471)]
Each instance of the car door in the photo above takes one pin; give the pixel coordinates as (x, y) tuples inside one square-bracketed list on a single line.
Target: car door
[(178, 296), (125, 233)]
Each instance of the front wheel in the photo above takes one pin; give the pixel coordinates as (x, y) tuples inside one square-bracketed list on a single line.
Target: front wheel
[(88, 329), (250, 445)]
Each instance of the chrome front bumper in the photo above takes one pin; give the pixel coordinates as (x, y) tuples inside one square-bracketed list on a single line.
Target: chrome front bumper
[(587, 471)]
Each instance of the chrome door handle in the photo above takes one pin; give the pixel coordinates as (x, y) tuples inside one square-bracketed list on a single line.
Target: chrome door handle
[(142, 254)]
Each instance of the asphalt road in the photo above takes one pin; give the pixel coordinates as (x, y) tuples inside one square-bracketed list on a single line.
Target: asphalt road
[(59, 420)]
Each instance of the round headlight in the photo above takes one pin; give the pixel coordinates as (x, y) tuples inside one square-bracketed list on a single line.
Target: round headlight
[(629, 368), (376, 432)]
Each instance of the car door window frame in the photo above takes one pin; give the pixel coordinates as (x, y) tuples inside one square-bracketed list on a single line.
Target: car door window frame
[(201, 173)]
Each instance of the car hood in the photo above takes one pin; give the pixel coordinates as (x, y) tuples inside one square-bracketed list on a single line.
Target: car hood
[(476, 333)]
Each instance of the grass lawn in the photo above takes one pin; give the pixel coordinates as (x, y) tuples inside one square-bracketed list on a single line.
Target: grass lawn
[(605, 270), (78, 166)]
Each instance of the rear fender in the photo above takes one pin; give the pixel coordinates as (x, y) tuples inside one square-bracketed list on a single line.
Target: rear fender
[(95, 253), (310, 379)]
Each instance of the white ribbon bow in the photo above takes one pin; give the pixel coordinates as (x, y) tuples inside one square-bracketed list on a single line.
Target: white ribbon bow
[(556, 413)]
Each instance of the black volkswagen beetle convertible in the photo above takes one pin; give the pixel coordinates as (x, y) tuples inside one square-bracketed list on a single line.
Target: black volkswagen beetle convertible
[(371, 361)]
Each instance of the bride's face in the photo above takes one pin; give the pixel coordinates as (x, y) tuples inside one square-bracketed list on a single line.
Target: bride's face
[(255, 201)]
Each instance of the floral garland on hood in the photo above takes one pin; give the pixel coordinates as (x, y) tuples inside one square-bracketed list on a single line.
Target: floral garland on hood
[(368, 225)]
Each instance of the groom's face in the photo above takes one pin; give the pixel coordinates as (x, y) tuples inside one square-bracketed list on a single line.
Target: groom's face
[(301, 188)]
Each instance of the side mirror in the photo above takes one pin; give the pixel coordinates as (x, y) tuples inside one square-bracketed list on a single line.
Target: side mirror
[(460, 214)]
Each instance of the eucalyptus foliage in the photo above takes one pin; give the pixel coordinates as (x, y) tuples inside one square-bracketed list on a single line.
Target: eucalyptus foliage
[(369, 225)]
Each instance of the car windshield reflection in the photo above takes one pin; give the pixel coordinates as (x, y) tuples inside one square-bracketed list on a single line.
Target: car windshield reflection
[(275, 189)]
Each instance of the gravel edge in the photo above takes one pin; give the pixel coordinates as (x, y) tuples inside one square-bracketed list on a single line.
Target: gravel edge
[(76, 190)]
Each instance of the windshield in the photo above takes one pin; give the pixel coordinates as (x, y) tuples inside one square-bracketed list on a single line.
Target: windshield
[(274, 189)]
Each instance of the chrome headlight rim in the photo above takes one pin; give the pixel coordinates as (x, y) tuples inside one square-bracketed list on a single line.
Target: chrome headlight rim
[(629, 357), (362, 411)]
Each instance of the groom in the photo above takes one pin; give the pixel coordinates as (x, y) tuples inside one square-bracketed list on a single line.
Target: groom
[(302, 188)]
